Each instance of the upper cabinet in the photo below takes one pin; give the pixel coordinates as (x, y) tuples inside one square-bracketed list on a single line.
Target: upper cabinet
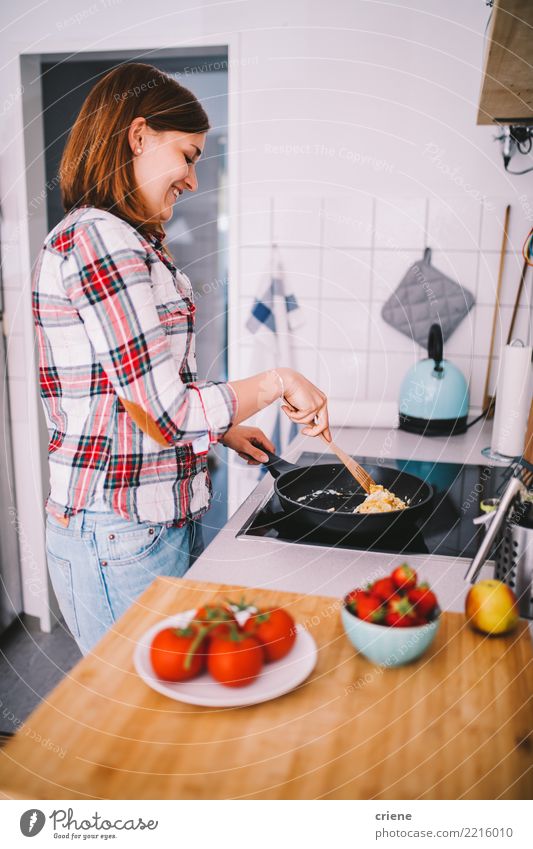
[(507, 86)]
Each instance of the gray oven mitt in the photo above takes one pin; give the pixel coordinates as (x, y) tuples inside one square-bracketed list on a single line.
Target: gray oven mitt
[(425, 296)]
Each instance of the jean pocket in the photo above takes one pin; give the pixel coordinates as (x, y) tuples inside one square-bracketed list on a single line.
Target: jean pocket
[(126, 580), (118, 547), (61, 576)]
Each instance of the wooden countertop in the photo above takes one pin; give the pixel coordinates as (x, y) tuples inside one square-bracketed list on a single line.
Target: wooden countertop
[(457, 724)]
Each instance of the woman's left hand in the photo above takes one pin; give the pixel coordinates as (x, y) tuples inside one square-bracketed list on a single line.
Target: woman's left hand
[(247, 442)]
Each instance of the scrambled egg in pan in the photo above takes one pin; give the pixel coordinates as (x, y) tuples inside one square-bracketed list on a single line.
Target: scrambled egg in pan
[(380, 500)]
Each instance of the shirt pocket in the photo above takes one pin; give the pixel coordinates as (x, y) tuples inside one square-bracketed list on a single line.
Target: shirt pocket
[(177, 316)]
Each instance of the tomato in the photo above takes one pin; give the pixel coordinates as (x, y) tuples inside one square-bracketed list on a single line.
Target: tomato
[(424, 600), (235, 660), (384, 588), (275, 629), (178, 654), (218, 617), (404, 577)]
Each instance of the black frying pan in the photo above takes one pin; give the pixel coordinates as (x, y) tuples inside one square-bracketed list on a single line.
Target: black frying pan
[(305, 494)]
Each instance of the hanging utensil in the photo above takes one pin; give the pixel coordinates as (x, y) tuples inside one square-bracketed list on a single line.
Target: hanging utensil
[(513, 488), (488, 400), (520, 481)]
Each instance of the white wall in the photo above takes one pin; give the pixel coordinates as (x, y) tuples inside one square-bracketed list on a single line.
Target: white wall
[(350, 111)]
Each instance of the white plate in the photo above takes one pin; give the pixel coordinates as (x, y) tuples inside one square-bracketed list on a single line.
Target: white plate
[(274, 680)]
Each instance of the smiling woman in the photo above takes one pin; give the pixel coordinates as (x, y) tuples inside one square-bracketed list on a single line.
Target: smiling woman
[(135, 109), (129, 423)]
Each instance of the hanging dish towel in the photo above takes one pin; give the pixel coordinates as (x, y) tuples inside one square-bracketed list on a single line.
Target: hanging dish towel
[(273, 318), (424, 297)]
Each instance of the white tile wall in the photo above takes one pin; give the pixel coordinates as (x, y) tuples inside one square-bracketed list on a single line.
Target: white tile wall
[(401, 222), (345, 327), (344, 256), (346, 273), (348, 221), (342, 374), (454, 223)]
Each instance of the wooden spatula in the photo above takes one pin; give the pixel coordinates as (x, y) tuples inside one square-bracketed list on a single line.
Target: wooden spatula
[(362, 477)]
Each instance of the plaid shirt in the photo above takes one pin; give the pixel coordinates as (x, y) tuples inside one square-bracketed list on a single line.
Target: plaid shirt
[(115, 319)]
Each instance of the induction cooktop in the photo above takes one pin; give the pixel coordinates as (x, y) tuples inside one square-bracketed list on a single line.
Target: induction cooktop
[(447, 531)]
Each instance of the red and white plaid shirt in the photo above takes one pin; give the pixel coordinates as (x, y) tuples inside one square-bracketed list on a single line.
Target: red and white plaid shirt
[(115, 319)]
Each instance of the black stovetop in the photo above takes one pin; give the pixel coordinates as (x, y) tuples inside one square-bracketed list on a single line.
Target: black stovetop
[(449, 530)]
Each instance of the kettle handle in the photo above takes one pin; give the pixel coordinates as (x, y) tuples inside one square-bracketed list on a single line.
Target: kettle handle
[(435, 344)]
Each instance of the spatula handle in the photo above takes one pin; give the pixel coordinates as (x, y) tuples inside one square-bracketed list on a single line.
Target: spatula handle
[(361, 475)]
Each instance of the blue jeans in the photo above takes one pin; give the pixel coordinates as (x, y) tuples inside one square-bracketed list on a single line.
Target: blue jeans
[(101, 563)]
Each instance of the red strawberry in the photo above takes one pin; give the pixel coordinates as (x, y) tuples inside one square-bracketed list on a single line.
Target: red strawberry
[(404, 577), (350, 600), (424, 600), (398, 620), (400, 613), (384, 588), (368, 607)]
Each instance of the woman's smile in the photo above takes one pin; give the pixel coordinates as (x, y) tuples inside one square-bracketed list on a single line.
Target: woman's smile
[(176, 191)]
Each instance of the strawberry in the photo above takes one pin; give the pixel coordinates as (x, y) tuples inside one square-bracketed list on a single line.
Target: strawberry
[(350, 600), (404, 578), (352, 595), (384, 588), (368, 607), (423, 599), (398, 620), (400, 613)]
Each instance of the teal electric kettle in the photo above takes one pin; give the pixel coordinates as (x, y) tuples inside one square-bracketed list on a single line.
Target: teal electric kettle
[(434, 396)]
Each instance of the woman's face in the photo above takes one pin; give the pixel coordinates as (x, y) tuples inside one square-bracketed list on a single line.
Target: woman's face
[(164, 167)]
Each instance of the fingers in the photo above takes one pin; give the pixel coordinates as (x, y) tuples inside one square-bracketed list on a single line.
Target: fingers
[(261, 439), (302, 416), (320, 425), (288, 409), (249, 459), (255, 453)]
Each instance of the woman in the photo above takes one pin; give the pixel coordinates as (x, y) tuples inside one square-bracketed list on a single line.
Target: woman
[(129, 424)]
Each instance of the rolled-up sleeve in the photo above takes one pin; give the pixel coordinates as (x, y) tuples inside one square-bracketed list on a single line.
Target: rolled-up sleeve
[(107, 279), (219, 403)]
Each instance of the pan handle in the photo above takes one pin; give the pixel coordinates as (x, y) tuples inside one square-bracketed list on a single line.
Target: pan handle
[(275, 465)]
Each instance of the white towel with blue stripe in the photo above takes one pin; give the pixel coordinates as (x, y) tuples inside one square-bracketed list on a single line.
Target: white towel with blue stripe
[(274, 317)]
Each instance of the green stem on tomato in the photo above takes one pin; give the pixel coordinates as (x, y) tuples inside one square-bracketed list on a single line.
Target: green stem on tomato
[(197, 642)]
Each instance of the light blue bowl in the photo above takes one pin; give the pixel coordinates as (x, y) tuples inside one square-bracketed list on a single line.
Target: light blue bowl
[(388, 646)]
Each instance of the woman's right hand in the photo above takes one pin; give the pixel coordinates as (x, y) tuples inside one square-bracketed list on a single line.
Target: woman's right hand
[(306, 404)]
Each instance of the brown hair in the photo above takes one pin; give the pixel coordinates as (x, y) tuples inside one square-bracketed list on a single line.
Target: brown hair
[(97, 165)]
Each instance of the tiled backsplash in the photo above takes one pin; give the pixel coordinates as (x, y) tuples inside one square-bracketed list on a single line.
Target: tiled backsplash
[(344, 256)]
